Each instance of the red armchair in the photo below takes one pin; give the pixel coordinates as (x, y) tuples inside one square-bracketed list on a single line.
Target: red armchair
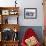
[(28, 34)]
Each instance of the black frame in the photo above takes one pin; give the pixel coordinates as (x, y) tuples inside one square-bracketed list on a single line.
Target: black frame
[(31, 12)]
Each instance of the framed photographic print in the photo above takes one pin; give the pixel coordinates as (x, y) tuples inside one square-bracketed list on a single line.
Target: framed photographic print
[(30, 13), (5, 12)]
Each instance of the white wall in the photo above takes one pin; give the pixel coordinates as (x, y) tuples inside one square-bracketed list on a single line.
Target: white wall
[(27, 4), (31, 4)]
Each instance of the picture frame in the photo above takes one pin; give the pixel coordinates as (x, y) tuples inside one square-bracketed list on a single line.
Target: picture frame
[(13, 12), (30, 13), (5, 12)]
